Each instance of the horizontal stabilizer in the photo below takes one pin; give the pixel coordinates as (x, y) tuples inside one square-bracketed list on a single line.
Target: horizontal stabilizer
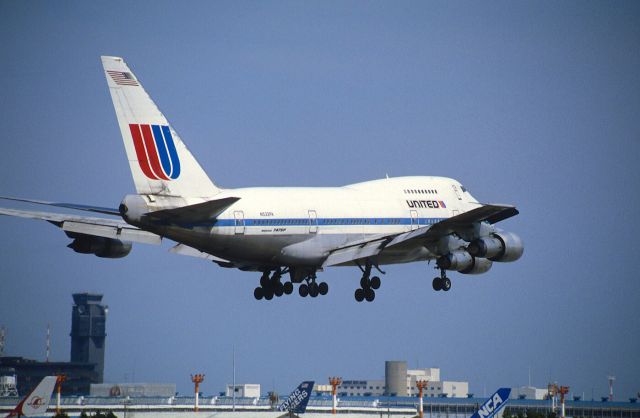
[(87, 208), (192, 214)]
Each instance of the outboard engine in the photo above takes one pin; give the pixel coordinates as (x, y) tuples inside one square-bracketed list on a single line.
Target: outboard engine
[(99, 246), (499, 246)]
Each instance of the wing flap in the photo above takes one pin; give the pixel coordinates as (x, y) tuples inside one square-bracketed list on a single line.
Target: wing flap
[(122, 234), (200, 212), (355, 252)]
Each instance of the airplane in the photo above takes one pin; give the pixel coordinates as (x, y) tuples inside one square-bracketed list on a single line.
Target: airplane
[(36, 402), (298, 231), (297, 402), (492, 406)]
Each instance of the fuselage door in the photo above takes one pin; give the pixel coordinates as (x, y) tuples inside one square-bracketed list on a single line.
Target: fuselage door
[(457, 191), (238, 216), (313, 222), (414, 219)]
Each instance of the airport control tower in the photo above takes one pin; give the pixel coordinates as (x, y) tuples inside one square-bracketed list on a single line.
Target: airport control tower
[(88, 331)]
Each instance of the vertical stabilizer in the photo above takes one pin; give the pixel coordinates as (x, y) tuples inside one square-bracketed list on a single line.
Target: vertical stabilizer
[(297, 402), (160, 162), (37, 402)]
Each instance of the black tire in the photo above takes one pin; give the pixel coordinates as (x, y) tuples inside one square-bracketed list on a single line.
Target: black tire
[(288, 288), (313, 290), (323, 288), (446, 284), (303, 290), (364, 282), (359, 295), (264, 280), (268, 295), (258, 293), (375, 282), (437, 284), (369, 295), (278, 289)]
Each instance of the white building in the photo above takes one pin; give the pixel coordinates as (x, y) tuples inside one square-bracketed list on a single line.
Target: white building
[(435, 388), (529, 392), (246, 390)]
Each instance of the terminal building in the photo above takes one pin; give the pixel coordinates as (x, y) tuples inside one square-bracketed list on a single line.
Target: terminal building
[(88, 333), (401, 381)]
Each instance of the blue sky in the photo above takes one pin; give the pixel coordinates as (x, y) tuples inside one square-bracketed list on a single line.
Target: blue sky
[(530, 103)]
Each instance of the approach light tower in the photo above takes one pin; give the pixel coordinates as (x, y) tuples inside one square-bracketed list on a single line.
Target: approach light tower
[(197, 379), (60, 378), (421, 384), (334, 382), (563, 390), (611, 380)]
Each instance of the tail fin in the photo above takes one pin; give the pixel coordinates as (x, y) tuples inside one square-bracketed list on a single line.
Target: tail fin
[(298, 400), (37, 402), (160, 162), (494, 404)]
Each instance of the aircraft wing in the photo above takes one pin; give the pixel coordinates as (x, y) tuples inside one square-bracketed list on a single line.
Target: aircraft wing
[(101, 227), (88, 208), (361, 250)]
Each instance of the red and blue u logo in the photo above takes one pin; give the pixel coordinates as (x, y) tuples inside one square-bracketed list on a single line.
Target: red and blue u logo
[(156, 151)]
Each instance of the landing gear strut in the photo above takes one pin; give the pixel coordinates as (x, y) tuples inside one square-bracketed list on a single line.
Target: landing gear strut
[(368, 286), (442, 282), (272, 286), (311, 288)]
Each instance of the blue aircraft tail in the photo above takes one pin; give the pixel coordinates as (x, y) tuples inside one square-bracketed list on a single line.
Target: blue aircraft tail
[(494, 404), (298, 400)]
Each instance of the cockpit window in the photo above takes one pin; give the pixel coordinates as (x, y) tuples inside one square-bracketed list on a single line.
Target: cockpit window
[(463, 188)]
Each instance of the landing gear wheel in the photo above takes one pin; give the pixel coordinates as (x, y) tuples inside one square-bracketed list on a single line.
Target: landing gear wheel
[(375, 282), (364, 282), (288, 288), (323, 288), (313, 290), (258, 293), (369, 295), (268, 294), (446, 284), (359, 295), (303, 290), (437, 284), (278, 289)]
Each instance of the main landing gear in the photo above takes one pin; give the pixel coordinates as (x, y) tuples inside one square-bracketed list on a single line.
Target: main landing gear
[(311, 288), (271, 285), (368, 286), (442, 282)]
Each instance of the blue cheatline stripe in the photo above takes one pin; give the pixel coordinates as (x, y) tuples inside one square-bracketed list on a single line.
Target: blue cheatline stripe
[(305, 222), (175, 161), (162, 150)]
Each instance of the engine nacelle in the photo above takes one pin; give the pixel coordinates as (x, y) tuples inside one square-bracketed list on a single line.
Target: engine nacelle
[(499, 246), (480, 265), (100, 246), (457, 260)]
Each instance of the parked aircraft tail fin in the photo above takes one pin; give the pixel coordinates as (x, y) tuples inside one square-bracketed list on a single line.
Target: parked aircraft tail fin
[(37, 402), (299, 398), (160, 162), (492, 406)]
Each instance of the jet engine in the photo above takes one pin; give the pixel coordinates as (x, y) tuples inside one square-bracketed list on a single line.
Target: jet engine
[(99, 246), (499, 246), (480, 265), (464, 262)]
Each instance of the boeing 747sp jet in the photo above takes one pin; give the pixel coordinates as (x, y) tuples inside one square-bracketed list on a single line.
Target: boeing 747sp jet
[(279, 230)]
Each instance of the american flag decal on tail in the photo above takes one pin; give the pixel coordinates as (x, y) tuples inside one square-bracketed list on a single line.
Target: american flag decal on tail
[(156, 151), (122, 78)]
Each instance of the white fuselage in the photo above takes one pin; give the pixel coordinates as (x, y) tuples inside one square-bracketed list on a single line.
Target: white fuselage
[(301, 226)]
